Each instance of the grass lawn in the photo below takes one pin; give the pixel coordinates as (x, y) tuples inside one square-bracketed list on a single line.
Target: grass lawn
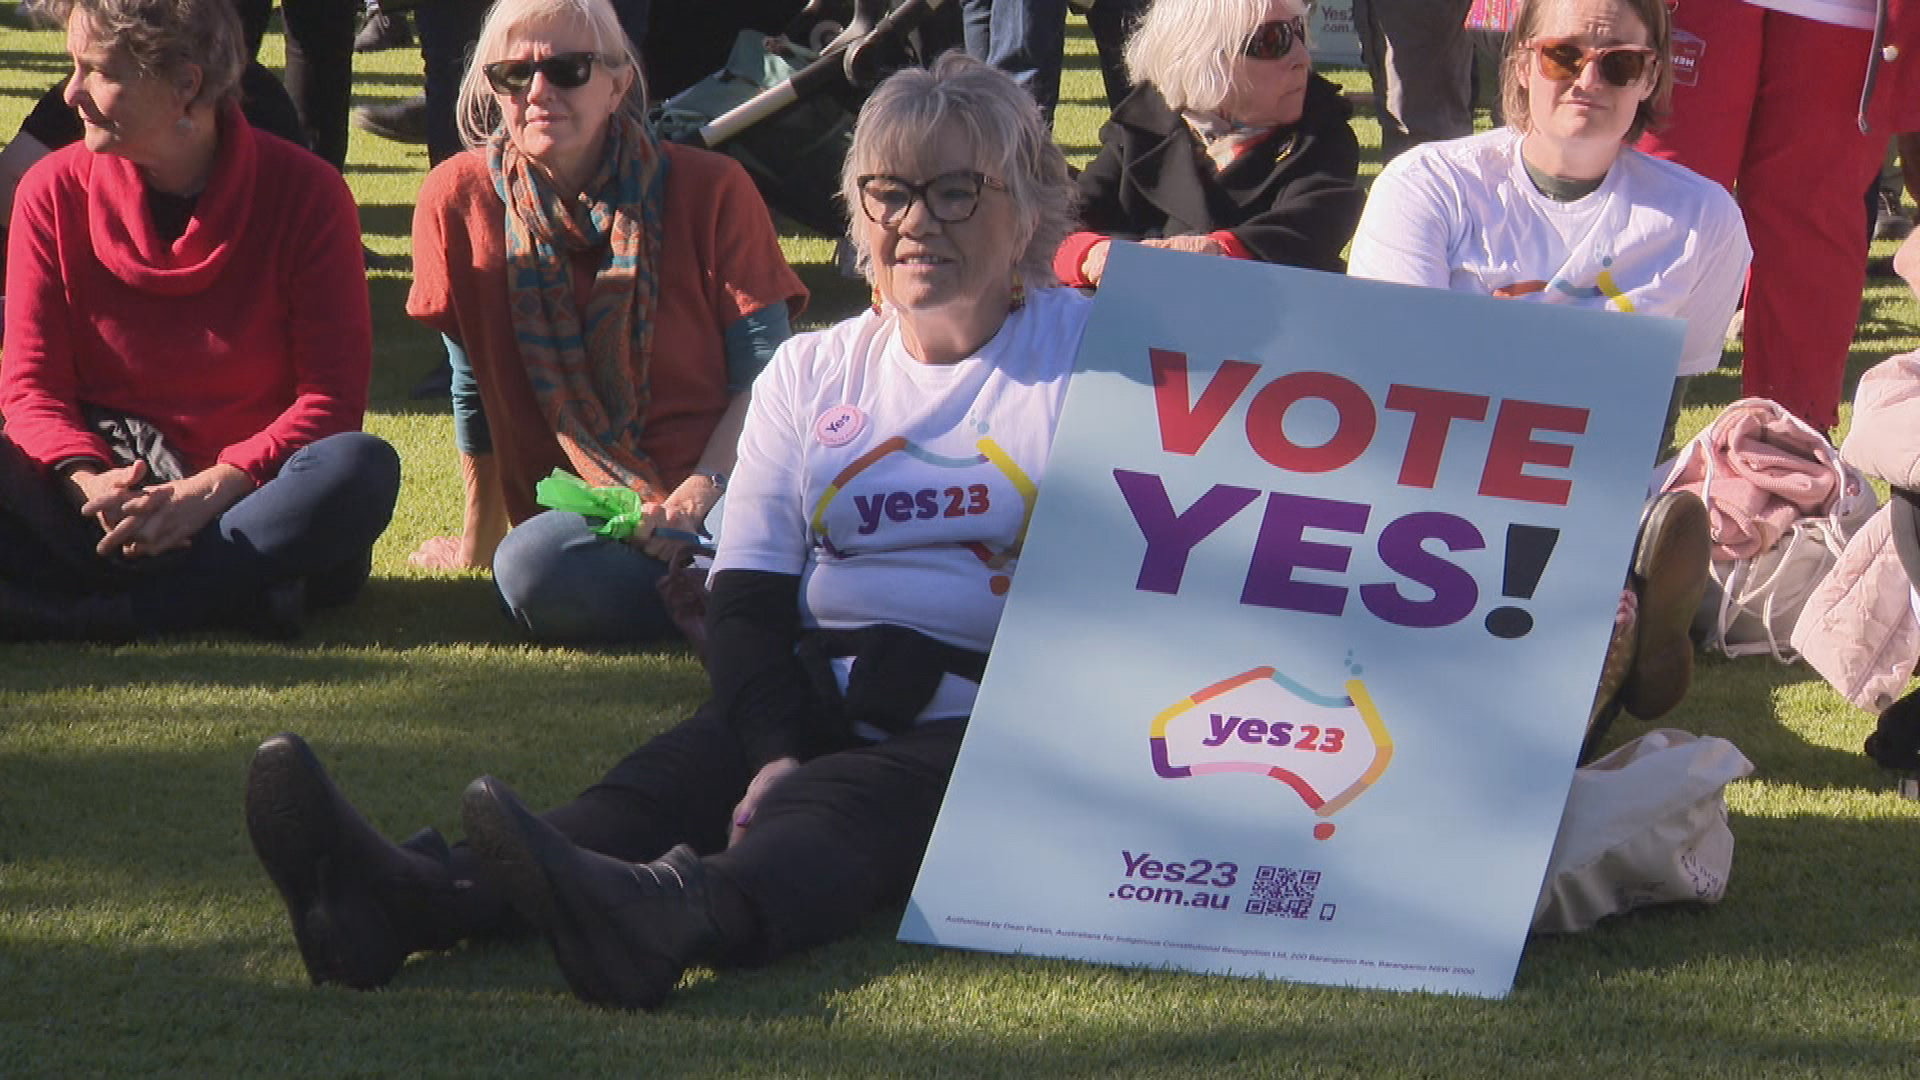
[(139, 936)]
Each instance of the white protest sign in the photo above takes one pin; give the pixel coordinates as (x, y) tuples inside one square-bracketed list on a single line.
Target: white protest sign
[(1336, 42), (1298, 656)]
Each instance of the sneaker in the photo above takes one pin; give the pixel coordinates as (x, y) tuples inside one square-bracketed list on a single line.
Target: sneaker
[(383, 31), (1671, 558), (401, 121)]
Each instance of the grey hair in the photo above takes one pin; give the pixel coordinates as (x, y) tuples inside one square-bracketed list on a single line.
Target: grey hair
[(162, 37), (1001, 126), (1190, 49), (479, 114)]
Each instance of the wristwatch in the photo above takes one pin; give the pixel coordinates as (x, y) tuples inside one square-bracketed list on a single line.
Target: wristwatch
[(715, 477)]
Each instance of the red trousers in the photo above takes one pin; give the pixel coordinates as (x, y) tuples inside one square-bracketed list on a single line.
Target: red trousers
[(1768, 110)]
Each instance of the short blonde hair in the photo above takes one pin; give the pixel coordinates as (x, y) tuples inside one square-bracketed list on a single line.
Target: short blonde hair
[(1189, 49), (1001, 125), (479, 114), (1526, 26), (164, 36)]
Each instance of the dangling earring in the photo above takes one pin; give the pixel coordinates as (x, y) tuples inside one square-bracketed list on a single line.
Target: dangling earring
[(876, 299), (184, 125), (1017, 298)]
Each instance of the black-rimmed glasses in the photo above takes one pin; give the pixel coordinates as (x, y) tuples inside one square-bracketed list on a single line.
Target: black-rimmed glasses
[(950, 197), (568, 71)]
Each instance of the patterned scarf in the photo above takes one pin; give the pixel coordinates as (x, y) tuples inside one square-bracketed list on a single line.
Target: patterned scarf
[(1222, 141), (589, 374)]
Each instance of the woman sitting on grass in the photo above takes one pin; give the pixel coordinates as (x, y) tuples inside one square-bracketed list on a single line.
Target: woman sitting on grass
[(606, 301), (1557, 208), (847, 636), (1230, 145), (187, 353)]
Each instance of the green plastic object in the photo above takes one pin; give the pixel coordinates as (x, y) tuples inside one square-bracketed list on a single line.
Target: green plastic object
[(617, 507)]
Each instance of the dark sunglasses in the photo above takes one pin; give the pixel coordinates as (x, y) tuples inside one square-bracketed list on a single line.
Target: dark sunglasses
[(950, 197), (568, 71), (1621, 65), (1275, 39)]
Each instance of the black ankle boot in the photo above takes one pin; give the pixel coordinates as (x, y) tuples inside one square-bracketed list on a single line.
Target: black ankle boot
[(360, 904), (29, 615), (622, 932)]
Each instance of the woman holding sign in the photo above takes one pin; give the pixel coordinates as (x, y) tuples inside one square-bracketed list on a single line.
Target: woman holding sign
[(1557, 208), (886, 474), (606, 301), (1230, 145)]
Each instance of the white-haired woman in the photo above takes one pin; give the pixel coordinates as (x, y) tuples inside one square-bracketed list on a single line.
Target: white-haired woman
[(1557, 208), (1229, 145), (606, 300), (885, 478)]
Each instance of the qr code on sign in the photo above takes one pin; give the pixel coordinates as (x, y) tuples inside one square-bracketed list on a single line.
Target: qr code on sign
[(1280, 890)]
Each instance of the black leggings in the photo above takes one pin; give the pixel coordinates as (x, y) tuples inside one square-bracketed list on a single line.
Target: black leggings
[(839, 838)]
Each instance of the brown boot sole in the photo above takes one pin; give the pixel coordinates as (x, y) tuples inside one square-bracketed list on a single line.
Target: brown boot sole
[(1670, 570)]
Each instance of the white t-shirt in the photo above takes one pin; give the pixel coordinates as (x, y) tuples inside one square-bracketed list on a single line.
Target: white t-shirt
[(900, 491), (1654, 238), (1857, 13)]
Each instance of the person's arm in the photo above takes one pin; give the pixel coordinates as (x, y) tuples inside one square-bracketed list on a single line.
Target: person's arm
[(329, 335), (1717, 259), (749, 343), (1407, 227), (753, 624), (1314, 212), (39, 380), (1081, 260), (686, 507), (1906, 261), (1097, 187), (164, 517), (483, 521), (753, 610), (15, 158)]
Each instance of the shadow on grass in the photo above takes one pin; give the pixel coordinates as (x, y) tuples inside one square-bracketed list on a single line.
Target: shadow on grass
[(1739, 700), (871, 1008), (386, 219), (371, 169)]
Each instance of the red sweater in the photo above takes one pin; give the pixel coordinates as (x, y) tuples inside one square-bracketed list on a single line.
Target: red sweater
[(242, 341)]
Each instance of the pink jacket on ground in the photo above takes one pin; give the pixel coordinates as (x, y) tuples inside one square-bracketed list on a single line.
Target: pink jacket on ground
[(1858, 629)]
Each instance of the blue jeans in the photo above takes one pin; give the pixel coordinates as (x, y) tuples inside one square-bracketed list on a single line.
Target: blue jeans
[(563, 584), (317, 520), (1024, 38)]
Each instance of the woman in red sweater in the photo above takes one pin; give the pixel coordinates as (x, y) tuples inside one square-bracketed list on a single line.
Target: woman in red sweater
[(186, 355)]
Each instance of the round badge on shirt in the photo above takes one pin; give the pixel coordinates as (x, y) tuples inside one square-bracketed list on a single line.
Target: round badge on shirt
[(839, 425)]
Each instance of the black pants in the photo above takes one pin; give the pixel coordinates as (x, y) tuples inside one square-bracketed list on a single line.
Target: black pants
[(838, 839), (319, 71)]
